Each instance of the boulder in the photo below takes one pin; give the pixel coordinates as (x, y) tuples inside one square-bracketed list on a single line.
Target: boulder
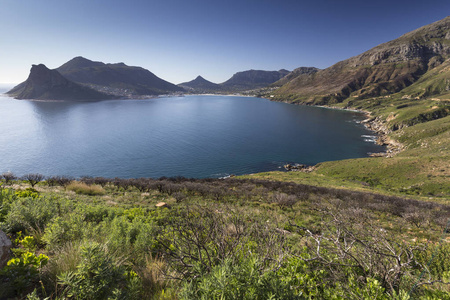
[(162, 204), (5, 246)]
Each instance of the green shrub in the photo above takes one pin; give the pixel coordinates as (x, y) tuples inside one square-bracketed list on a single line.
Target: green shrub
[(30, 214), (64, 229), (135, 236), (21, 273), (7, 196), (28, 192), (100, 275), (243, 280)]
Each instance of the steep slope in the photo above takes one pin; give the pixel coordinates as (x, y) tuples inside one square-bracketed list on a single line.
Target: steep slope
[(383, 70), (200, 85), (46, 84), (252, 79), (117, 78)]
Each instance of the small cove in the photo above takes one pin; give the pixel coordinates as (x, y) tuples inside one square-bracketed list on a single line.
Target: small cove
[(191, 136)]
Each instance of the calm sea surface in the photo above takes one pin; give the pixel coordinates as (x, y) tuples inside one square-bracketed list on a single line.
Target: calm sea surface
[(192, 136)]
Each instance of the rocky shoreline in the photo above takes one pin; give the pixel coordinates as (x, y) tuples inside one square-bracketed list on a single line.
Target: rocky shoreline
[(379, 126)]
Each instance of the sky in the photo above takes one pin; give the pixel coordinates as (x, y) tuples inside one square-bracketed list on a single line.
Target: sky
[(178, 40)]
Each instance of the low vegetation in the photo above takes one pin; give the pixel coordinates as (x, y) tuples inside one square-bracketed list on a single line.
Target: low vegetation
[(219, 239)]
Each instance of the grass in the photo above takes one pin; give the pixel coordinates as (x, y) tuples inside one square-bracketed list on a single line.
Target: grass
[(85, 189)]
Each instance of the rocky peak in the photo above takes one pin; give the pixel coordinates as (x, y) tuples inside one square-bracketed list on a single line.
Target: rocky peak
[(41, 75), (46, 84)]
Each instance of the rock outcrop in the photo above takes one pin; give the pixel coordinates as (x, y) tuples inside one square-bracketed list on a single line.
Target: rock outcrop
[(5, 246)]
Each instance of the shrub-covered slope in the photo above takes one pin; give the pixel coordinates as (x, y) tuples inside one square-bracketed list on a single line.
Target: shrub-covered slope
[(176, 238)]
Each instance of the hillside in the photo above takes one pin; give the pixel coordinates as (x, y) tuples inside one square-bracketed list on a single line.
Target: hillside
[(178, 238), (116, 78), (383, 70), (46, 84)]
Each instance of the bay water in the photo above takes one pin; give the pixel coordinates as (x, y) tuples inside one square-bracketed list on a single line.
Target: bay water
[(190, 136)]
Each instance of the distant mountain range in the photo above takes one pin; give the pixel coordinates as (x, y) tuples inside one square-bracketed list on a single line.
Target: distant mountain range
[(83, 79), (388, 68), (416, 63), (241, 81)]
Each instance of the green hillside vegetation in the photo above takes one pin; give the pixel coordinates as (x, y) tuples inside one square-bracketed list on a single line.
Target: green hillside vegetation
[(176, 238)]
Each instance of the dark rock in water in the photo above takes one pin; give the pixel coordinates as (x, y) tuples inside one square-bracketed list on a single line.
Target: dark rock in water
[(46, 84), (5, 246)]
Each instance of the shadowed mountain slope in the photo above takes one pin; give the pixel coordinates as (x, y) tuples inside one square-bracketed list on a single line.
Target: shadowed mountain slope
[(116, 78), (46, 84)]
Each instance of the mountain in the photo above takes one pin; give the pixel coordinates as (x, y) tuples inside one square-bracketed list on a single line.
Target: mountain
[(295, 73), (252, 79), (201, 85), (383, 70), (116, 78), (46, 84)]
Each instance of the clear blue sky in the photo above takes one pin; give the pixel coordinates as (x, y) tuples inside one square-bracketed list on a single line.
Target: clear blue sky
[(180, 39)]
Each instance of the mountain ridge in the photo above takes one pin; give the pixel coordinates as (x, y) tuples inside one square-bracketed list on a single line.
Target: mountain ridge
[(117, 78), (385, 69), (238, 82)]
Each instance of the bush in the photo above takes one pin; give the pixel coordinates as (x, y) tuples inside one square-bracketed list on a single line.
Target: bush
[(21, 273), (64, 229), (30, 214), (100, 275), (85, 189), (244, 280), (7, 197)]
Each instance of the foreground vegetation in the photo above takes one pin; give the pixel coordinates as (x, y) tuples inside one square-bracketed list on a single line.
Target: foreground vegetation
[(176, 238)]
